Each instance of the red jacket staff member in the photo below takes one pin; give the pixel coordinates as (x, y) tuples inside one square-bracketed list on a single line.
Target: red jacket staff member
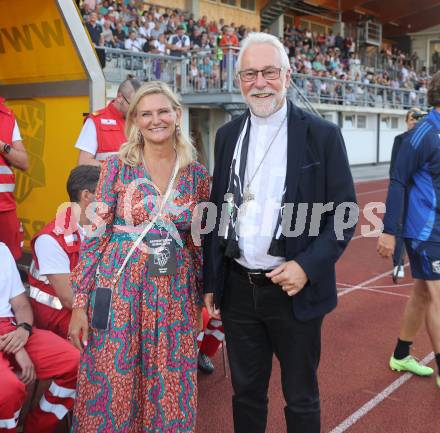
[(26, 354), (12, 154), (104, 130), (55, 254)]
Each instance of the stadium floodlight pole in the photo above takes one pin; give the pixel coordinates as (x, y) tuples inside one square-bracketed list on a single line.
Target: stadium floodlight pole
[(305, 100)]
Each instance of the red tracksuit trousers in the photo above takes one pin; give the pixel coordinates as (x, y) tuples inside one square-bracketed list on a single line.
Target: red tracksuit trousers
[(53, 358), (51, 319)]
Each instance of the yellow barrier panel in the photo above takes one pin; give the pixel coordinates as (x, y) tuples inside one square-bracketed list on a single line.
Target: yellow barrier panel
[(49, 127), (35, 45), (50, 76)]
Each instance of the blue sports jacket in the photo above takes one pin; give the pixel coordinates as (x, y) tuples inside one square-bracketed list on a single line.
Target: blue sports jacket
[(414, 190)]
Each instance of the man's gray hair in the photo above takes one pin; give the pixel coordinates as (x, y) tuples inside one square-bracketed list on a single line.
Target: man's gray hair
[(128, 86), (258, 38)]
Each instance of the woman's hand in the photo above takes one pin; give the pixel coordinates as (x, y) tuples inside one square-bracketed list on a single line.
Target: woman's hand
[(78, 328)]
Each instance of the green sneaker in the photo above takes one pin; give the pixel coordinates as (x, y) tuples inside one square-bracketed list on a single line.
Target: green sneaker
[(410, 364)]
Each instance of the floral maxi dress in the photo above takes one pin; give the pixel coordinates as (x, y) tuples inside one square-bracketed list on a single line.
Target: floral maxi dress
[(139, 375)]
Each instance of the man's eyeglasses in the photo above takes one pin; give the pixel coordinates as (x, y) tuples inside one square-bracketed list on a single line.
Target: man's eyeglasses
[(268, 74)]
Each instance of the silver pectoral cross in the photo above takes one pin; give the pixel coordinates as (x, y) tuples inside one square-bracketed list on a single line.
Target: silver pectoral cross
[(248, 195)]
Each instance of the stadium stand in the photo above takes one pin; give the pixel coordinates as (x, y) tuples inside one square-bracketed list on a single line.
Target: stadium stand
[(150, 29)]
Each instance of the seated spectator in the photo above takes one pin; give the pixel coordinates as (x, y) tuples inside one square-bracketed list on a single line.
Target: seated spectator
[(228, 39), (190, 27), (203, 22), (88, 6), (55, 254), (156, 31), (145, 30), (119, 36), (126, 14), (133, 43), (133, 26), (212, 27), (153, 10), (164, 20), (113, 14), (330, 39), (204, 47), (194, 74), (107, 35), (27, 354), (172, 24), (179, 43), (228, 42), (103, 9), (95, 31), (158, 46), (317, 64), (195, 38)]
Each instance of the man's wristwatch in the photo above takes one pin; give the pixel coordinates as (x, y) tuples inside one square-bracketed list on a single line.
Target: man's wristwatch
[(6, 148), (26, 326)]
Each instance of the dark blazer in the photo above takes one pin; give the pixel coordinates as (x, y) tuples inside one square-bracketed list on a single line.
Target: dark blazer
[(317, 172)]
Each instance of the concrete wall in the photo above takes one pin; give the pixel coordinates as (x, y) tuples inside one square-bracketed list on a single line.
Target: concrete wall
[(179, 4), (215, 10)]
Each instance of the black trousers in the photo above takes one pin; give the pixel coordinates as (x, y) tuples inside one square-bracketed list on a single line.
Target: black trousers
[(258, 321)]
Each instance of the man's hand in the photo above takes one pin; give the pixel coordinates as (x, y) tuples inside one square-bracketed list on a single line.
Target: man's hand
[(78, 328), (14, 341), (214, 313), (386, 245), (27, 374), (290, 276)]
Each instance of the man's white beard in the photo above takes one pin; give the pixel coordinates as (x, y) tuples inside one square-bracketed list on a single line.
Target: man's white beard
[(265, 107)]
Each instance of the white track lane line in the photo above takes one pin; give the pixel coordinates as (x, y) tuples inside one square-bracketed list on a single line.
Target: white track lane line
[(371, 192), (361, 182), (385, 292), (366, 282), (396, 286), (370, 235), (370, 405)]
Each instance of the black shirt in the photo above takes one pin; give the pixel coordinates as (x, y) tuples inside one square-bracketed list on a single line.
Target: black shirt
[(95, 32)]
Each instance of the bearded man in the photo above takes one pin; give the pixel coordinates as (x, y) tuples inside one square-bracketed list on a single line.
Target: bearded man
[(270, 282)]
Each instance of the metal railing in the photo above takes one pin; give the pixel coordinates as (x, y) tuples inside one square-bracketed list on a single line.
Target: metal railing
[(200, 71), (204, 72), (320, 90), (212, 71), (146, 67)]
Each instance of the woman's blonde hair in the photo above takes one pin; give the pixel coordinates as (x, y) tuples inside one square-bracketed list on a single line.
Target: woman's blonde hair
[(131, 152)]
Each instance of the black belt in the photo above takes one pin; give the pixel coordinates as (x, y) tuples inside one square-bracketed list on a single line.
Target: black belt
[(255, 276)]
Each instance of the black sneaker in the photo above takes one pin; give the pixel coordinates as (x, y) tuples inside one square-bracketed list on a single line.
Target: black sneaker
[(204, 363)]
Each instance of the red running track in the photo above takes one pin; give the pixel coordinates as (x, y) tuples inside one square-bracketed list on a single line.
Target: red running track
[(359, 393)]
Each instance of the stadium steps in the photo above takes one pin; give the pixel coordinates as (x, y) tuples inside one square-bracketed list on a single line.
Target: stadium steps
[(273, 10)]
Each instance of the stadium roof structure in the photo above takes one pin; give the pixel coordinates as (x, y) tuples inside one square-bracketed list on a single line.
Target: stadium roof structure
[(398, 17)]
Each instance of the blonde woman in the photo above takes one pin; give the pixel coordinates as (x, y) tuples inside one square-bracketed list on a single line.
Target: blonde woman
[(135, 310)]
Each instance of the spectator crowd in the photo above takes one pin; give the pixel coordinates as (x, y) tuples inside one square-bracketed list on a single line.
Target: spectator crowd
[(139, 27)]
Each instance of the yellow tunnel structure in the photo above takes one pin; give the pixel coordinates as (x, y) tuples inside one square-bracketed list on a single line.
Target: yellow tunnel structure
[(50, 76)]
